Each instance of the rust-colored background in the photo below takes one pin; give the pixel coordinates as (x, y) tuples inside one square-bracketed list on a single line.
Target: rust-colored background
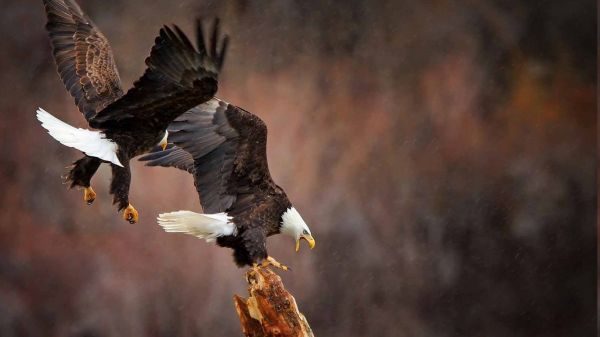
[(442, 152)]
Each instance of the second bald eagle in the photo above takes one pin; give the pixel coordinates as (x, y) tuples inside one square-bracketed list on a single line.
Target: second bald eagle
[(225, 148)]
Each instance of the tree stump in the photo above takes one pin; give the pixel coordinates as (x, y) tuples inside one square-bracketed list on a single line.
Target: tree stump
[(270, 310)]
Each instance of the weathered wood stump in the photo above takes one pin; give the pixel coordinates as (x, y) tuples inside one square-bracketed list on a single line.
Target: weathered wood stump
[(270, 310)]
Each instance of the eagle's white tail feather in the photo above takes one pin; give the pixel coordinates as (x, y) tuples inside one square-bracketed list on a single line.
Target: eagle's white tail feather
[(203, 226), (92, 143)]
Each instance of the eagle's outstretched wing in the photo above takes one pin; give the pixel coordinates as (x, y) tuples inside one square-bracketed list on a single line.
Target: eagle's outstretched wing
[(177, 78), (83, 57), (224, 147)]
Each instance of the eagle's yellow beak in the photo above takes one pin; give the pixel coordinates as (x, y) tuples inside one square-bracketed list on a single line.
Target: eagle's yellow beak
[(164, 141), (308, 238)]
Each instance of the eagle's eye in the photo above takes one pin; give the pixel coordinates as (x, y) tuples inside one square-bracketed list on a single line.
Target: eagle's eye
[(305, 232)]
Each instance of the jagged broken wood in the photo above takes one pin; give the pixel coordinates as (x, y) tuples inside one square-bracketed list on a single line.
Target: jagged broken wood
[(270, 310)]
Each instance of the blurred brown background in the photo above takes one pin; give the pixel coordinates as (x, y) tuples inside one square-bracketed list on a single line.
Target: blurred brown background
[(442, 152)]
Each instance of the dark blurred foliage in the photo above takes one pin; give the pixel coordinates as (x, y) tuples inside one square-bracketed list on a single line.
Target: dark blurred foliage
[(442, 152)]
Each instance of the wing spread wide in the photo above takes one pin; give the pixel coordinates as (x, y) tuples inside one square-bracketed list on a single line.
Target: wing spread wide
[(83, 57), (177, 78), (226, 153)]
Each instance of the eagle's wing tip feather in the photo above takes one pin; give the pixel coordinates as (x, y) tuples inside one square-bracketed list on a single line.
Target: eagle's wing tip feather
[(42, 114)]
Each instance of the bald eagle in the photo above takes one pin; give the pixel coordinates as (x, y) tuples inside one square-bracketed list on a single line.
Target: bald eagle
[(224, 148), (178, 77)]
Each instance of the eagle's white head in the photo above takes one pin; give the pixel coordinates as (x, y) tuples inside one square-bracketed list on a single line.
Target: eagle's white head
[(293, 225)]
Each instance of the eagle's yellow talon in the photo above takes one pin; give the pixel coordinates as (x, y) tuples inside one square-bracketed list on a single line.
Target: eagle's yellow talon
[(89, 195), (130, 214), (272, 262)]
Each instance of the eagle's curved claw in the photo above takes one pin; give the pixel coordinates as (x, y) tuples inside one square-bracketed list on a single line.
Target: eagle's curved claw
[(130, 214), (269, 261), (89, 195)]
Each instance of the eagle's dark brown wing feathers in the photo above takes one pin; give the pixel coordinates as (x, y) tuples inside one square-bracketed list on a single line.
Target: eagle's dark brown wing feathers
[(172, 156), (83, 57), (204, 134), (177, 78), (228, 147), (211, 178), (198, 130)]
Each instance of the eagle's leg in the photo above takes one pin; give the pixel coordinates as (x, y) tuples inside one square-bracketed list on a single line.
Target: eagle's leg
[(269, 261), (119, 188), (81, 174)]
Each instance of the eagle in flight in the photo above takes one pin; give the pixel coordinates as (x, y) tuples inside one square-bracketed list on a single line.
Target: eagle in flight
[(225, 148), (178, 77)]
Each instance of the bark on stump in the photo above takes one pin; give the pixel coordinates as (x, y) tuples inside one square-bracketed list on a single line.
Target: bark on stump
[(270, 310)]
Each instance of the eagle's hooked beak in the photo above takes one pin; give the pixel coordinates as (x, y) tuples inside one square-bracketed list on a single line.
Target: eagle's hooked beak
[(164, 141), (308, 238)]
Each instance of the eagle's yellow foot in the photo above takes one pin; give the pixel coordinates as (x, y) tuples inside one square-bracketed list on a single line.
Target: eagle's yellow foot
[(89, 195), (130, 214), (269, 261)]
